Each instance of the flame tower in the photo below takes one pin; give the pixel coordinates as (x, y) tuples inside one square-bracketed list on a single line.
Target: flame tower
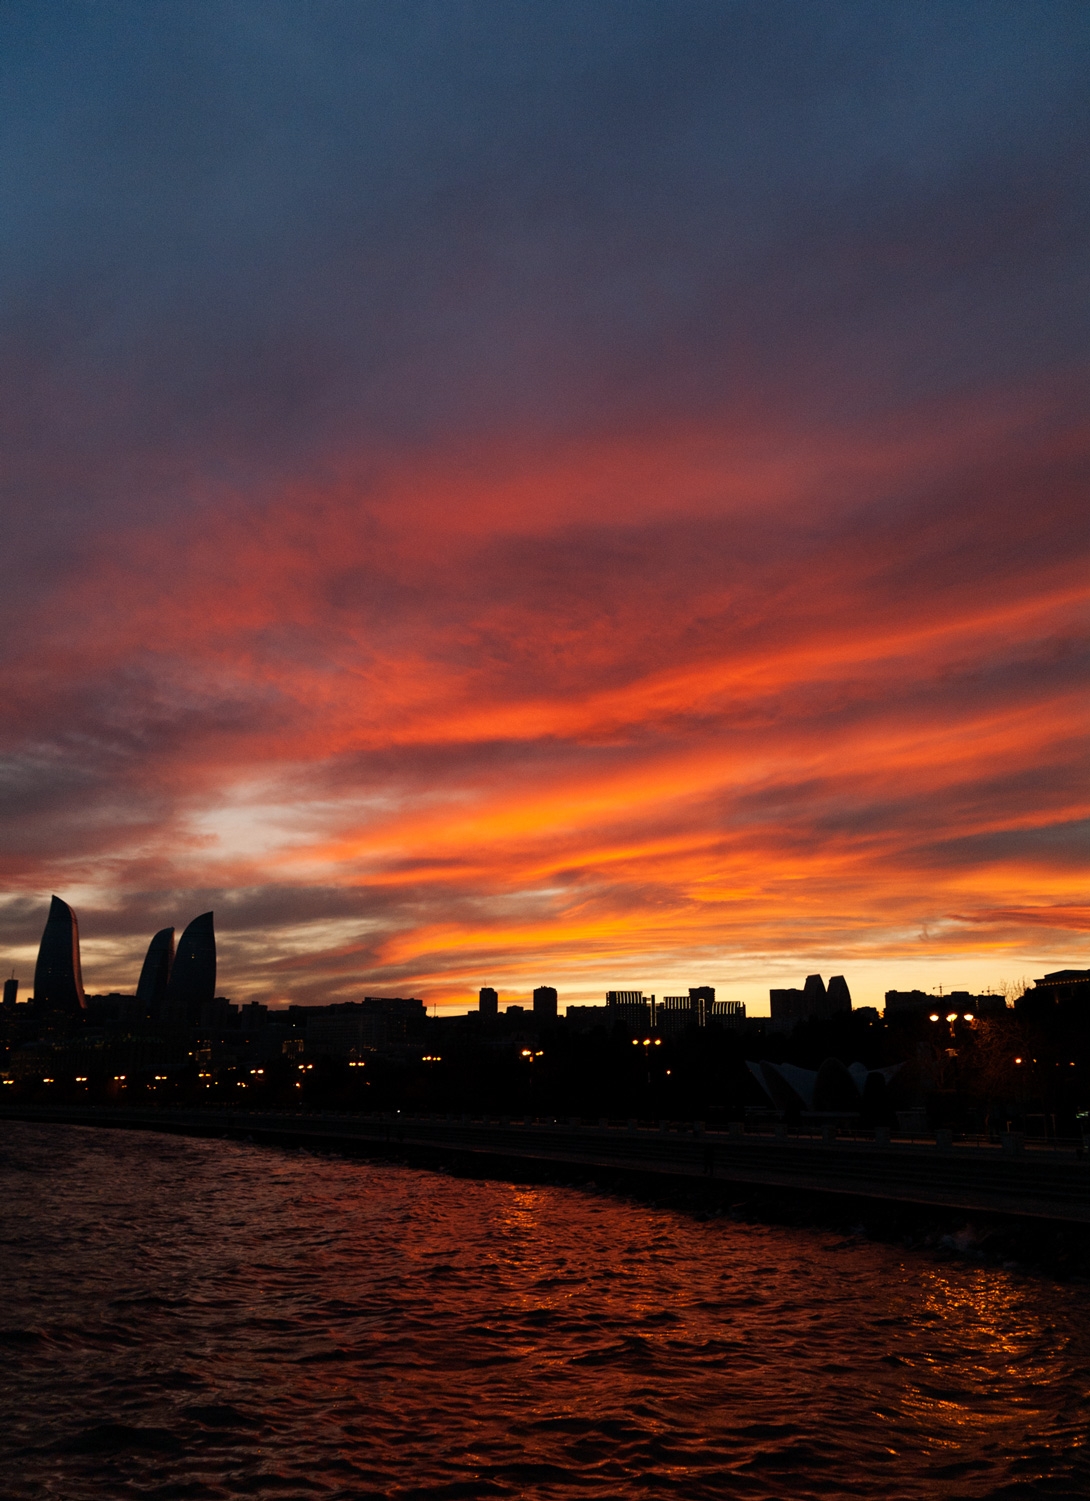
[(58, 978), (193, 976), (151, 989)]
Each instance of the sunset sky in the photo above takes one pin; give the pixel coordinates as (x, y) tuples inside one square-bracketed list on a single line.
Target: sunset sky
[(516, 493)]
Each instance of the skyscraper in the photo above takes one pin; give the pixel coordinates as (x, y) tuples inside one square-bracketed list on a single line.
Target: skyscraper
[(545, 1003), (192, 980), (58, 978), (488, 1001), (838, 997), (151, 989), (792, 1006)]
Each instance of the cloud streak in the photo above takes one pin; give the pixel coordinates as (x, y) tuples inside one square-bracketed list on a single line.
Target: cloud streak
[(568, 495)]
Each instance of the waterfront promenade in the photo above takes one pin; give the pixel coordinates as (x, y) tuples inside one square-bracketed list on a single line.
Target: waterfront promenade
[(1008, 1177)]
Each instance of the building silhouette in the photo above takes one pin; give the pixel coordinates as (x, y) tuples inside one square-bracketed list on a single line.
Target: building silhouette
[(674, 1015), (545, 1003), (192, 982), (11, 991), (151, 988), (58, 978), (584, 1018), (729, 1013), (632, 1008), (488, 1002), (838, 997), (789, 1007), (676, 1012), (921, 1003), (1062, 985)]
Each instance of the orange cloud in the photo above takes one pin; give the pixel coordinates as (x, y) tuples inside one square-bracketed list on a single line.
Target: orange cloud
[(682, 695)]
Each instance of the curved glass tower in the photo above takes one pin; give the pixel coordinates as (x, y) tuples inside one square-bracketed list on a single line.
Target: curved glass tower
[(193, 977), (58, 979), (151, 989)]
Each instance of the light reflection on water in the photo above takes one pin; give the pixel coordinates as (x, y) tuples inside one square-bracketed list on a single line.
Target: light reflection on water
[(208, 1319)]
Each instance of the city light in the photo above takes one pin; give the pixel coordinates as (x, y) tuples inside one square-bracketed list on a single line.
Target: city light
[(953, 1017), (934, 1016)]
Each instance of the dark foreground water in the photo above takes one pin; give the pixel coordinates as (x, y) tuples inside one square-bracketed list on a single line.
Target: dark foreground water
[(185, 1318)]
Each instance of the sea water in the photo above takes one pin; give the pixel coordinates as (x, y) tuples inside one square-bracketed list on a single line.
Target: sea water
[(205, 1319)]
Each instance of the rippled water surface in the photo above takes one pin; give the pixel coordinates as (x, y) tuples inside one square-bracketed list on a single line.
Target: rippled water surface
[(185, 1318)]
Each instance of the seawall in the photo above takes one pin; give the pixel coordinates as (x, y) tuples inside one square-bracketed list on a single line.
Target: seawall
[(1050, 1184)]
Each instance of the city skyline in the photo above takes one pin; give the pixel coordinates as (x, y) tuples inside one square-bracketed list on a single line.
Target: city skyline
[(169, 990), (575, 495)]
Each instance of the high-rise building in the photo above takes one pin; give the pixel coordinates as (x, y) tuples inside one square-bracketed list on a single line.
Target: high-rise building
[(631, 1007), (674, 1015), (838, 997), (729, 1013), (192, 980), (920, 1003), (675, 1012), (393, 1019), (702, 999), (545, 1003), (814, 995), (11, 991), (58, 978), (488, 1002), (791, 1006), (151, 988)]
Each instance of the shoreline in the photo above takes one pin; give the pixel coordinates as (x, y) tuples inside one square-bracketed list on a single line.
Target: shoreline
[(971, 1205)]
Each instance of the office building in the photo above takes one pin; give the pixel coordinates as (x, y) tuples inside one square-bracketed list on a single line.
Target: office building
[(632, 1008), (789, 1007), (545, 1003), (488, 1003), (729, 1013), (392, 1020), (920, 1003), (58, 978), (347, 1029), (586, 1018), (192, 982), (151, 988), (838, 997), (11, 991), (675, 1012), (1062, 985)]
